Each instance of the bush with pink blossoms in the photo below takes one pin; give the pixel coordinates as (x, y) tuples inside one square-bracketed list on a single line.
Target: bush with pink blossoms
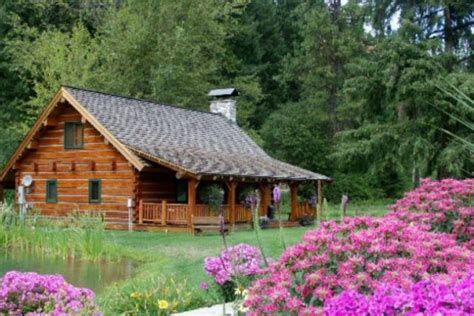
[(360, 255), (448, 205), (237, 264), (424, 298), (34, 294)]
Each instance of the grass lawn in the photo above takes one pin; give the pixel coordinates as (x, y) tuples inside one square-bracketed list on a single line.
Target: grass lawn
[(182, 255)]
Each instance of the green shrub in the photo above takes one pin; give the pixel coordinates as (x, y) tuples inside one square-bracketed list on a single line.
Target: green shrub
[(150, 295)]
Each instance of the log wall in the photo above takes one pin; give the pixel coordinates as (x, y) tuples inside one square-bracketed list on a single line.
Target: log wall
[(72, 168), (156, 185)]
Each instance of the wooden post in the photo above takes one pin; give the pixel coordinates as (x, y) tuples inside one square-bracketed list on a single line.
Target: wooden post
[(320, 195), (163, 212), (2, 194), (294, 201), (192, 183), (140, 212), (265, 198), (231, 201)]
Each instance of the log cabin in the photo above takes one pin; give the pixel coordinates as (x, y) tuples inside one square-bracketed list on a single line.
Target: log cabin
[(95, 151)]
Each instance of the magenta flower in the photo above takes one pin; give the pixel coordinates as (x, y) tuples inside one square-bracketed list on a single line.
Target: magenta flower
[(34, 294), (204, 286)]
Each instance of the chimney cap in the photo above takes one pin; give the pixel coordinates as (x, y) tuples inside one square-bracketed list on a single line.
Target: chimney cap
[(219, 93)]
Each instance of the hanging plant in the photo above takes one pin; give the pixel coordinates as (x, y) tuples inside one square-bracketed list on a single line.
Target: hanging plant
[(212, 195)]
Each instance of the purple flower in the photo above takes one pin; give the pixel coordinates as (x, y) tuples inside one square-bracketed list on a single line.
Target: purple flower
[(277, 194), (238, 260), (204, 286), (37, 294)]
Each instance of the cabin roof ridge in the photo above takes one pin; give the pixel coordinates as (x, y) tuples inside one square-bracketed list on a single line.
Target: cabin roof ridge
[(159, 103)]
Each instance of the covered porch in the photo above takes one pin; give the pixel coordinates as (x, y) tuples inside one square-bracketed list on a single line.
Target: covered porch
[(173, 214)]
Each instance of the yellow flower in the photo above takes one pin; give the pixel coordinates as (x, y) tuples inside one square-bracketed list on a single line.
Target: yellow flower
[(135, 295), (163, 304), (239, 291)]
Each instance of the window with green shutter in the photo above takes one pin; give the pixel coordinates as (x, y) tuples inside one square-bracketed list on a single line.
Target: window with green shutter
[(95, 191), (51, 191), (73, 135)]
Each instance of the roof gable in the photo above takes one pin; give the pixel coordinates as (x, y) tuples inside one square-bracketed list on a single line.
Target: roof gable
[(62, 96)]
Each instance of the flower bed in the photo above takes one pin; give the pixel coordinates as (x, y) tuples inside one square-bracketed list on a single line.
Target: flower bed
[(361, 254), (447, 205), (424, 298), (31, 294)]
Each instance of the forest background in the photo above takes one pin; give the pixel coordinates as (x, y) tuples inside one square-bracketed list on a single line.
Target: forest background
[(361, 91)]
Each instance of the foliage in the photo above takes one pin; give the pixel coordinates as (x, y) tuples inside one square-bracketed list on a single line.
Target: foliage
[(446, 205), (213, 195), (235, 267), (79, 235), (33, 294), (358, 90), (150, 295), (425, 297), (359, 254)]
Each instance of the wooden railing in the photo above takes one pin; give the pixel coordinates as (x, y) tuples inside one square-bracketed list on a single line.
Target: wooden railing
[(172, 213), (177, 214), (151, 212), (242, 214), (304, 209)]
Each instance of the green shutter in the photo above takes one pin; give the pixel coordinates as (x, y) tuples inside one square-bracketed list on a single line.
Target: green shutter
[(95, 191), (51, 191), (73, 135)]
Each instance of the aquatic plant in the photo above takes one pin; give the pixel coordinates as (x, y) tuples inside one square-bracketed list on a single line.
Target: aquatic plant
[(82, 234), (34, 294)]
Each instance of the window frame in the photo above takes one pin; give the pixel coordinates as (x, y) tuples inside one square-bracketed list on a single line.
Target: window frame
[(99, 183), (73, 125), (50, 199)]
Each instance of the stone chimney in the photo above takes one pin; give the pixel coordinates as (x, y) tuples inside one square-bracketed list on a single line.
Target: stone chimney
[(224, 103)]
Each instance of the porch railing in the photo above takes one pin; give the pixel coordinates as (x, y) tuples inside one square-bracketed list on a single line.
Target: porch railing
[(177, 214), (304, 209)]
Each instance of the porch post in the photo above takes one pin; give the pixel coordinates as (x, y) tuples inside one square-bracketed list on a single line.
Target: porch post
[(320, 195), (231, 201), (265, 200), (294, 201), (191, 199)]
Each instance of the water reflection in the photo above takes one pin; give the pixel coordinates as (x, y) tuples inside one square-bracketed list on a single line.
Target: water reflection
[(81, 273)]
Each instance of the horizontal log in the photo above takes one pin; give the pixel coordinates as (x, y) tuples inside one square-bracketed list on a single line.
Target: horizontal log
[(80, 166)]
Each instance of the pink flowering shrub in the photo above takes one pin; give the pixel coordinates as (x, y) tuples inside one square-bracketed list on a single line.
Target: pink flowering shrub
[(34, 294), (236, 264), (424, 298), (448, 205), (360, 255)]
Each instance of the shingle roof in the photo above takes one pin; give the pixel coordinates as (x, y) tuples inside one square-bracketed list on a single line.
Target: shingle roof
[(200, 142)]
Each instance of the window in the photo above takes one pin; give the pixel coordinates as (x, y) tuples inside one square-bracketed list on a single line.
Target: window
[(73, 135), (51, 191), (182, 191), (95, 191)]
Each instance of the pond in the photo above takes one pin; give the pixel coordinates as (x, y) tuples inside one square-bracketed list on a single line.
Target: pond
[(93, 275)]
